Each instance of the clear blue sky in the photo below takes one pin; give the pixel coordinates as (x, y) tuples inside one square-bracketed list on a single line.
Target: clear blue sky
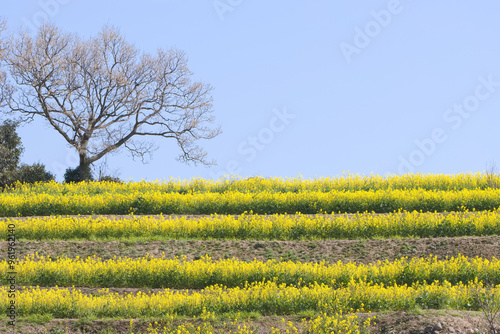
[(310, 88)]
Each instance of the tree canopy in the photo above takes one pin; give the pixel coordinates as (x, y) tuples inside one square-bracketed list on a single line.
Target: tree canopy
[(102, 93), (10, 151)]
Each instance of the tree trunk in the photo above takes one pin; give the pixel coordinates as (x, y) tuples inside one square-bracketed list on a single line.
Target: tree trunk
[(84, 168)]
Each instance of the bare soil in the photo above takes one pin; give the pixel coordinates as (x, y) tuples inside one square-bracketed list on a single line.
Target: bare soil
[(417, 322), (360, 251)]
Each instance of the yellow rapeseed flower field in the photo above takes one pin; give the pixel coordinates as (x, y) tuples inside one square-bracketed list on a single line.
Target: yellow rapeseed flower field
[(249, 226), (346, 182), (149, 272), (344, 207), (43, 204), (264, 297), (273, 195)]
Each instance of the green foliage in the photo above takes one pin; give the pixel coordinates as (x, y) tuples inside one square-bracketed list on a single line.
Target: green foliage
[(109, 178), (10, 151), (39, 319), (73, 174), (33, 173)]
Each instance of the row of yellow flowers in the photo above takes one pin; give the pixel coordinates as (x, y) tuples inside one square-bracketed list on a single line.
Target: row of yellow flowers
[(260, 227), (149, 272), (262, 297), (325, 323), (348, 182), (36, 204)]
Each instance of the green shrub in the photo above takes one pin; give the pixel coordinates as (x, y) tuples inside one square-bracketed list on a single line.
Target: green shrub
[(108, 178), (73, 174), (33, 173)]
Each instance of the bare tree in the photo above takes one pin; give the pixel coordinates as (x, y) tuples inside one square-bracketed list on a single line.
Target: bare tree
[(492, 176), (3, 81), (101, 94)]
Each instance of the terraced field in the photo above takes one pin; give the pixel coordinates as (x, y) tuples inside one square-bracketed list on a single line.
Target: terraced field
[(401, 254)]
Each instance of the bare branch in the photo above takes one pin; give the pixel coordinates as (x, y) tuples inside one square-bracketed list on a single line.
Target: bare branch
[(101, 92), (5, 90)]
